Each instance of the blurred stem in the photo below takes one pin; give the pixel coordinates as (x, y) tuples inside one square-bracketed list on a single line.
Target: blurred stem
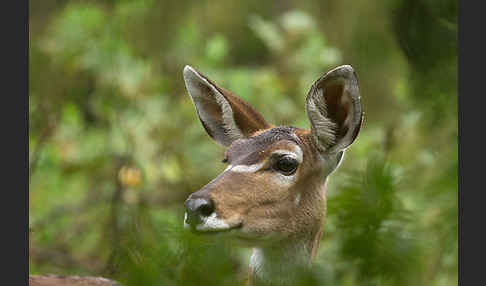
[(45, 134), (390, 138), (114, 226)]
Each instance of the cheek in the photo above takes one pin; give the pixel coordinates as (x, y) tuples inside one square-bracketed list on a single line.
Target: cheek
[(229, 204), (272, 205), (259, 196), (272, 219), (235, 194)]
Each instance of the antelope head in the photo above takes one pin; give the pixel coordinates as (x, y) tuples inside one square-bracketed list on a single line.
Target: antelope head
[(272, 195)]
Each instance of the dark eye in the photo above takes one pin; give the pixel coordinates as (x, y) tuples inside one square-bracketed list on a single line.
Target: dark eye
[(286, 165)]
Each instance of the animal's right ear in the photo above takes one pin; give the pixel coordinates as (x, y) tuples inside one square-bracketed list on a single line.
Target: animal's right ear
[(225, 116), (334, 110)]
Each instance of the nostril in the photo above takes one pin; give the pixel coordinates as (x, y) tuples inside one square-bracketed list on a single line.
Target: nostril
[(206, 208), (197, 209)]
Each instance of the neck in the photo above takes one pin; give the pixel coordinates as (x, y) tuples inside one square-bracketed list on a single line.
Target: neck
[(282, 262)]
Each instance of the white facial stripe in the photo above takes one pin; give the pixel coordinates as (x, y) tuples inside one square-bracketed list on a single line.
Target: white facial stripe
[(295, 153), (212, 223), (246, 168), (228, 168)]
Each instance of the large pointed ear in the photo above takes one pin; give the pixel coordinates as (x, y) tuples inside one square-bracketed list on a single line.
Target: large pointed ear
[(334, 109), (224, 115)]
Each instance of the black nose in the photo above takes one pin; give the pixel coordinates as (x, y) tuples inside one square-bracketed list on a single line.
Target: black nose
[(198, 208)]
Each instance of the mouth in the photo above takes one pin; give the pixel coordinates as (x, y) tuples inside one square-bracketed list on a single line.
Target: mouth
[(215, 231), (211, 225)]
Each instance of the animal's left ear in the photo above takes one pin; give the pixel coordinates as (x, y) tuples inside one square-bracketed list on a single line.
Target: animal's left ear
[(334, 109), (225, 116)]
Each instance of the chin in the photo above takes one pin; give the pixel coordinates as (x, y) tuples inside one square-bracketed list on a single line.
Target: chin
[(236, 234)]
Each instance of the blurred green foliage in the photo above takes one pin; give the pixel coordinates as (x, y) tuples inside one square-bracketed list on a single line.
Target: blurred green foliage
[(116, 146)]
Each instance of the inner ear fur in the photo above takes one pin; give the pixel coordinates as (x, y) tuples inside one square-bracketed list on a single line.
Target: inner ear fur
[(334, 109)]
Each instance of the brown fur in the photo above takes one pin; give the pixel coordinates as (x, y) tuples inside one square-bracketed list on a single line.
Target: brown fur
[(258, 202)]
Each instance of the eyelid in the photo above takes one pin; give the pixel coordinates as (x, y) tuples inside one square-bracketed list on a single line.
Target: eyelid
[(278, 156)]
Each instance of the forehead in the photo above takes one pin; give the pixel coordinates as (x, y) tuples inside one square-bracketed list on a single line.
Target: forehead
[(253, 149)]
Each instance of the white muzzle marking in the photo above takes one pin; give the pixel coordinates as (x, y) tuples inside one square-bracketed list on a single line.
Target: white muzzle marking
[(212, 223), (208, 223)]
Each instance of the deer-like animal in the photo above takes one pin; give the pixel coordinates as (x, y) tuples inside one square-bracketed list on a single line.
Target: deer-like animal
[(272, 195)]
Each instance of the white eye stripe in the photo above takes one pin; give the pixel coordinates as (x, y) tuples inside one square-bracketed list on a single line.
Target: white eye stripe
[(245, 168), (297, 154), (228, 168)]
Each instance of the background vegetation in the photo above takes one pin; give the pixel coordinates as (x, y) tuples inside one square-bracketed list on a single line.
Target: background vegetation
[(116, 146)]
